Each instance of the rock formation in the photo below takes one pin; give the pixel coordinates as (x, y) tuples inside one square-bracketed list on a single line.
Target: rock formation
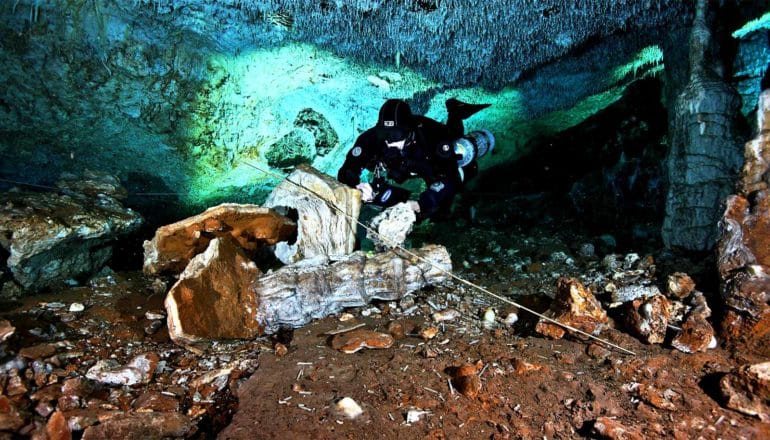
[(704, 156), (54, 237), (321, 229), (251, 226), (222, 296), (576, 306), (744, 245)]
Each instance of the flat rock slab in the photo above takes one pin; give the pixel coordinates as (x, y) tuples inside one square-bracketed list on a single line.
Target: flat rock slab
[(251, 226), (53, 237)]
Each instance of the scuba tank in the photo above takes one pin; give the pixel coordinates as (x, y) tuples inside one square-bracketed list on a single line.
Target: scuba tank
[(473, 146)]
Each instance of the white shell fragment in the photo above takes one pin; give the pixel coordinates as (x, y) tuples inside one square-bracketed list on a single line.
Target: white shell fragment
[(349, 408), (446, 315), (77, 307)]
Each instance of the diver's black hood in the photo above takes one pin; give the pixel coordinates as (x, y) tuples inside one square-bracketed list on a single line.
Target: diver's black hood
[(395, 121)]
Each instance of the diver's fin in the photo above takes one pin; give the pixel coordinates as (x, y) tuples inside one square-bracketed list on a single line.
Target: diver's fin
[(462, 110)]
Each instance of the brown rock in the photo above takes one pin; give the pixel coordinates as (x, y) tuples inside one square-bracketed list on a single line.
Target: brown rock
[(748, 390), (57, 428), (140, 426), (10, 419), (597, 351), (520, 366), (155, 401), (15, 385), (614, 430), (6, 330), (697, 333), (575, 306), (680, 285), (321, 230), (173, 246), (661, 399), (648, 318), (212, 299), (355, 340), (38, 351), (466, 380)]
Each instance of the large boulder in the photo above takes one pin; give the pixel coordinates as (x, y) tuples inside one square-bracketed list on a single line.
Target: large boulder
[(326, 210), (222, 296), (212, 299), (251, 226), (53, 237)]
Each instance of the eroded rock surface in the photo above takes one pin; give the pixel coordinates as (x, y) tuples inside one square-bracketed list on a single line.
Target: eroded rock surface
[(576, 306), (321, 229), (748, 390), (744, 247), (54, 237), (392, 226), (294, 295), (251, 226)]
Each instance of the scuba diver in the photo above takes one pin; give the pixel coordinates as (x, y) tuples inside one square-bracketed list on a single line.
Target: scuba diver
[(403, 146)]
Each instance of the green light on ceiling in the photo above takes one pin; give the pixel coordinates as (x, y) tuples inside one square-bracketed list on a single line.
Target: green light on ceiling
[(762, 22), (645, 61)]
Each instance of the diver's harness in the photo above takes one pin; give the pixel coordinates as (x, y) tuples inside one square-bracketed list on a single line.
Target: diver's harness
[(466, 149)]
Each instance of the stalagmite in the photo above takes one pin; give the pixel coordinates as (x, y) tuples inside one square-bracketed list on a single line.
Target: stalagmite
[(705, 155)]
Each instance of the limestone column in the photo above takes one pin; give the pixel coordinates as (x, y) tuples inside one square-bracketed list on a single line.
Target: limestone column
[(705, 153)]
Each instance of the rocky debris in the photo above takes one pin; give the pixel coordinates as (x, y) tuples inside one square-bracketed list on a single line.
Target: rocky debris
[(155, 401), (573, 305), (92, 184), (142, 426), (697, 334), (446, 315), (353, 341), (53, 237), (679, 285), (251, 226), (392, 226), (626, 294), (612, 429), (295, 294), (648, 318), (747, 390), (6, 330), (138, 371), (321, 229), (212, 299)]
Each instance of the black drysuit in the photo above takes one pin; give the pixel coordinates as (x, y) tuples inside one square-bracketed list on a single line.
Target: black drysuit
[(428, 154)]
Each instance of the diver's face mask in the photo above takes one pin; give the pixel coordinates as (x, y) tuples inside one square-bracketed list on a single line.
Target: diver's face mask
[(396, 137)]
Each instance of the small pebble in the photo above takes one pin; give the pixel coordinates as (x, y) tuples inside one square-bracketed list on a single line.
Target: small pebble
[(349, 408), (77, 307)]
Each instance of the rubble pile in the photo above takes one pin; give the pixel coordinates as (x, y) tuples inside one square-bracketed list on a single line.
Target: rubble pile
[(107, 371)]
